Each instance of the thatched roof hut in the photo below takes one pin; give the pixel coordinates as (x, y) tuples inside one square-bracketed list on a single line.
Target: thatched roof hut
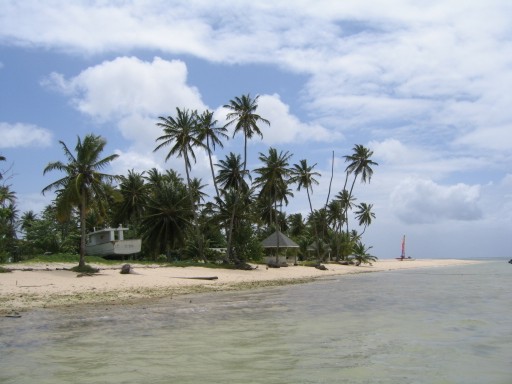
[(279, 242)]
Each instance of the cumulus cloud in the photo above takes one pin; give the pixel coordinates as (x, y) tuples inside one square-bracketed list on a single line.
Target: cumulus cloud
[(127, 86), (24, 135), (417, 201)]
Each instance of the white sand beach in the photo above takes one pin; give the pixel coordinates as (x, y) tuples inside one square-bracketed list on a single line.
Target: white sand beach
[(50, 285)]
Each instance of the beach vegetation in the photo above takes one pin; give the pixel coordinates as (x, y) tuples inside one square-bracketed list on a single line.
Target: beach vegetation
[(175, 217)]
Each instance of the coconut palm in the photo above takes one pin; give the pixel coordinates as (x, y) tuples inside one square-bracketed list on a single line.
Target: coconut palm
[(273, 179), (364, 215), (347, 203), (2, 158), (83, 185), (6, 196), (182, 134), (209, 132), (243, 113), (303, 175), (167, 217), (297, 225), (196, 190), (154, 178), (134, 191), (360, 164), (231, 174), (231, 177), (27, 220), (361, 255)]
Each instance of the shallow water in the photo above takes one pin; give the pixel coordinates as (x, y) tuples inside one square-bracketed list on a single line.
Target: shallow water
[(436, 325)]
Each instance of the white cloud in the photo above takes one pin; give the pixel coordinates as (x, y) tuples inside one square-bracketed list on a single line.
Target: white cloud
[(417, 201), (24, 135), (287, 128), (496, 138), (131, 160), (128, 86)]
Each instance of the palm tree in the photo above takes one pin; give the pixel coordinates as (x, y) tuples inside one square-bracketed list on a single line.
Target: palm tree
[(231, 175), (273, 182), (83, 184), (211, 133), (167, 217), (359, 165), (134, 192), (6, 196), (364, 215), (361, 255), (347, 203), (304, 176), (182, 132), (274, 176), (2, 158), (243, 113), (27, 220)]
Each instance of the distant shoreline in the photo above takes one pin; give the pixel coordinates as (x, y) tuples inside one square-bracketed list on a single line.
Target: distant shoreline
[(50, 285)]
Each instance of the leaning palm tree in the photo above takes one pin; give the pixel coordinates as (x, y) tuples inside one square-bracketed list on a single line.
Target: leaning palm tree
[(209, 132), (361, 255), (83, 185), (364, 215)]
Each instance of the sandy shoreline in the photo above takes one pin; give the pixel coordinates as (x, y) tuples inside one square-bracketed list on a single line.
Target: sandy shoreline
[(48, 285)]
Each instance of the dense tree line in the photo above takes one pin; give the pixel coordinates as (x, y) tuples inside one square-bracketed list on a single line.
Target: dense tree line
[(173, 215)]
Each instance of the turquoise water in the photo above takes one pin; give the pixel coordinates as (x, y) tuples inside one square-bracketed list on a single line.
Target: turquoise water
[(435, 325)]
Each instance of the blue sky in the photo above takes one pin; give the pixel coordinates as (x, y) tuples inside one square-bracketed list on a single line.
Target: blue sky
[(425, 85)]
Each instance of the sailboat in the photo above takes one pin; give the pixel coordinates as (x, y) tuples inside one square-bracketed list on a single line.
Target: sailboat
[(402, 256)]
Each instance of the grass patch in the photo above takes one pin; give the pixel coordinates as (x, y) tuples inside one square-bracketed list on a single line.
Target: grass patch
[(4, 270)]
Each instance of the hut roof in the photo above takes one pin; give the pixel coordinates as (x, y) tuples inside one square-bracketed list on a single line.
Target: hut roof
[(284, 241)]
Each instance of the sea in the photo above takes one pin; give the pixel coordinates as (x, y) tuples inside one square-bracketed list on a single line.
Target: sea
[(431, 325)]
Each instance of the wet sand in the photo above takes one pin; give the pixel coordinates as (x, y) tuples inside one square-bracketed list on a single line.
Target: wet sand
[(50, 285)]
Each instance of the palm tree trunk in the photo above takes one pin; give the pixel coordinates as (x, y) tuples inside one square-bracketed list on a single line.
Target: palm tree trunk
[(349, 196), (81, 262), (314, 227), (231, 254), (211, 167), (194, 213)]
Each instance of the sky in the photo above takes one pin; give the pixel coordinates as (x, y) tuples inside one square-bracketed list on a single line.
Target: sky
[(424, 84)]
